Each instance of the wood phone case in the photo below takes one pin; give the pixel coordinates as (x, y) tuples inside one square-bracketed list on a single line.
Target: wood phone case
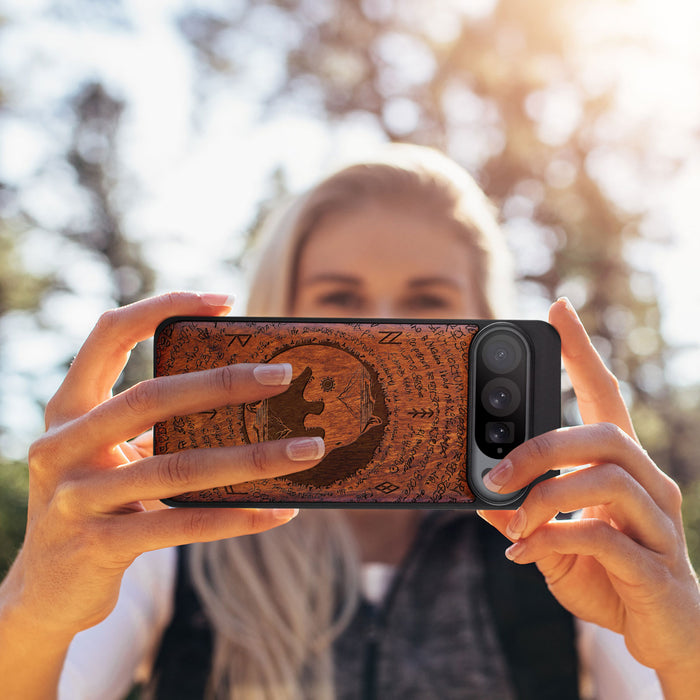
[(390, 399)]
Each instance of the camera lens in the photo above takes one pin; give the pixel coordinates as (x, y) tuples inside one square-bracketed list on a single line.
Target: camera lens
[(502, 353), (500, 396), (499, 432)]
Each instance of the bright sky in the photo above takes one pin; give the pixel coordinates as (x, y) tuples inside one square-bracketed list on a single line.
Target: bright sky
[(195, 188)]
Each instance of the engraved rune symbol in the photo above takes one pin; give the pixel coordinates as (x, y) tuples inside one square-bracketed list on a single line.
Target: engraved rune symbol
[(390, 337), (242, 339), (231, 491), (421, 413), (386, 487)]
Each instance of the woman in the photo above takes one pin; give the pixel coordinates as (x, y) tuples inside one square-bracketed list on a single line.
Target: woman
[(410, 236)]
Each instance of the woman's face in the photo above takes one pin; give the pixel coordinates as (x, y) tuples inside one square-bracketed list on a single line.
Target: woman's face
[(388, 262)]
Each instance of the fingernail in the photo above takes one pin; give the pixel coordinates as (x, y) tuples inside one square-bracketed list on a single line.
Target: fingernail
[(569, 306), (218, 299), (277, 374), (499, 476), (517, 525), (304, 449), (285, 513), (515, 550)]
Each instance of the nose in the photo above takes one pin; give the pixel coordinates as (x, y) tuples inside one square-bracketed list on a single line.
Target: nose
[(384, 308)]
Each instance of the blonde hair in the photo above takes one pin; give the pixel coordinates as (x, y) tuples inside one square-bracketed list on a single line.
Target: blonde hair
[(416, 176), (277, 600)]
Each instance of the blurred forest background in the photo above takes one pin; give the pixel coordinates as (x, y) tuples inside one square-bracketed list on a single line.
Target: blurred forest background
[(580, 119)]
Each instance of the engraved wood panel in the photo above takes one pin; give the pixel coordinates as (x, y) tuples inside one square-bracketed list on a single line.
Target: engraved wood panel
[(390, 401)]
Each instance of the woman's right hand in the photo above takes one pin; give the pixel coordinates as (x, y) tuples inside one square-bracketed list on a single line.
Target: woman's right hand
[(88, 516)]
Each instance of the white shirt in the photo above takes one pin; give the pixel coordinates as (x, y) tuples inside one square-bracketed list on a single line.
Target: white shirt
[(104, 661)]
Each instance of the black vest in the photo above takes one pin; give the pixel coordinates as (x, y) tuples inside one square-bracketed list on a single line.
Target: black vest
[(534, 634)]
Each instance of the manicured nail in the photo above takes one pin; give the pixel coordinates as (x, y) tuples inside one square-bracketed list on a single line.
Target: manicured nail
[(285, 514), (277, 374), (304, 449), (517, 525), (218, 300), (569, 306), (499, 476), (515, 550)]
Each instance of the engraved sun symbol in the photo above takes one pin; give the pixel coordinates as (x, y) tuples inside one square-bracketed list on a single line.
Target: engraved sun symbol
[(328, 384)]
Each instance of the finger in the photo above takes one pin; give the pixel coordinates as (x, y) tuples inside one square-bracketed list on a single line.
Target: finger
[(130, 452), (614, 550), (579, 445), (105, 352), (497, 518), (138, 448), (606, 486), (142, 532), (170, 475), (596, 388), (138, 408), (143, 444)]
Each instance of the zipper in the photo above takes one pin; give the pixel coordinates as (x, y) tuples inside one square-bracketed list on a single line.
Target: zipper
[(377, 615), (369, 671)]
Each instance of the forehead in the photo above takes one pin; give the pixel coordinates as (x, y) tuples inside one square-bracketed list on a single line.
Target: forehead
[(383, 238)]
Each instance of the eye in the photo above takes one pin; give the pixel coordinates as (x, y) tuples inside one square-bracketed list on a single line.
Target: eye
[(341, 299), (427, 302)]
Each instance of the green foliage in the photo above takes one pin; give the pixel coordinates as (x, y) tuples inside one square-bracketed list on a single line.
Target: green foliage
[(691, 521), (14, 483), (18, 289)]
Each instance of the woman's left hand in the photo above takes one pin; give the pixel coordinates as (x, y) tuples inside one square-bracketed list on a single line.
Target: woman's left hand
[(623, 564)]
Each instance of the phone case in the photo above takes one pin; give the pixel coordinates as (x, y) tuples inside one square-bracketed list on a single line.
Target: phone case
[(390, 398)]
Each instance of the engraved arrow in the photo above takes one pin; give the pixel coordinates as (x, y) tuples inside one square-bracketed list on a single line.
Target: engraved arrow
[(421, 413)]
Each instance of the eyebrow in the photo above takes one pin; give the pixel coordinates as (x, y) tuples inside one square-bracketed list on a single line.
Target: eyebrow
[(350, 280), (433, 281), (333, 277)]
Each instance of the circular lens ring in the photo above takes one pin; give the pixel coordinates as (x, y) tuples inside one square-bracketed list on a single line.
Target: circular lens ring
[(502, 352), (496, 387), (499, 433)]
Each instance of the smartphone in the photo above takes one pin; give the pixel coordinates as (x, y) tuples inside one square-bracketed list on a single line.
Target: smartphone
[(413, 413)]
